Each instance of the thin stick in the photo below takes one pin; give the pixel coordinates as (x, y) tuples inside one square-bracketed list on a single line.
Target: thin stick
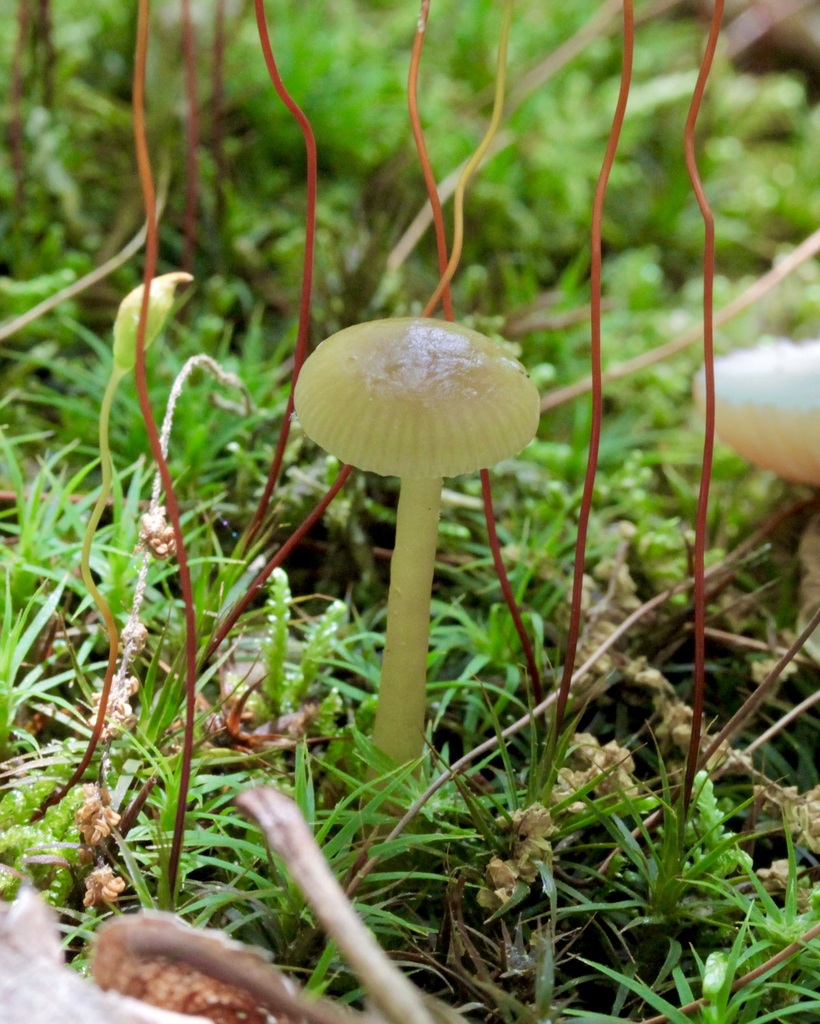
[(701, 521), (595, 361), (744, 713), (359, 873), (758, 20), (791, 716), (807, 249), (774, 961), (154, 935), (747, 643), (289, 835), (752, 703), (77, 287)]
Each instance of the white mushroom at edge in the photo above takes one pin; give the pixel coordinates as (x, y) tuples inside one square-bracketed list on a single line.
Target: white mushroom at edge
[(767, 407)]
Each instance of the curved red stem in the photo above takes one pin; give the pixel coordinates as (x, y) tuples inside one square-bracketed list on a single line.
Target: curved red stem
[(99, 722), (698, 567), (424, 158), (311, 175), (295, 538), (595, 362), (172, 507), (506, 589)]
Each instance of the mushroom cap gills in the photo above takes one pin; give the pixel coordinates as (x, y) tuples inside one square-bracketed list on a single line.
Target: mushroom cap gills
[(416, 397)]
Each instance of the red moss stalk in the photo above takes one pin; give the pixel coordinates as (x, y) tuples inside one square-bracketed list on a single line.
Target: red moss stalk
[(172, 506), (311, 177), (595, 364), (699, 555)]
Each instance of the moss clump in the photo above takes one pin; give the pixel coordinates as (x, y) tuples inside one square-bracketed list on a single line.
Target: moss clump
[(54, 837)]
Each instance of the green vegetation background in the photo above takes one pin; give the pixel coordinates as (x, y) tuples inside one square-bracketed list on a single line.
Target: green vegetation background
[(566, 939)]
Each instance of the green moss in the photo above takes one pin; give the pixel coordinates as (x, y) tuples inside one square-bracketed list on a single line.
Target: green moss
[(54, 836)]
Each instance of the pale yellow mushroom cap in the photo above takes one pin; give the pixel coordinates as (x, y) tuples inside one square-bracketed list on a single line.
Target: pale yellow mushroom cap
[(767, 407), (416, 397)]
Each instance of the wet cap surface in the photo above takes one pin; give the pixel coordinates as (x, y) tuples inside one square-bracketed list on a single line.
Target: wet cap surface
[(416, 397)]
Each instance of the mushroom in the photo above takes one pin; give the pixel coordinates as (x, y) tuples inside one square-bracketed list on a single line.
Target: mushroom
[(767, 407), (420, 399)]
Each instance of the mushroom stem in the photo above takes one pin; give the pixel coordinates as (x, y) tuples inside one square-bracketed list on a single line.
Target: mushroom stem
[(399, 726)]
